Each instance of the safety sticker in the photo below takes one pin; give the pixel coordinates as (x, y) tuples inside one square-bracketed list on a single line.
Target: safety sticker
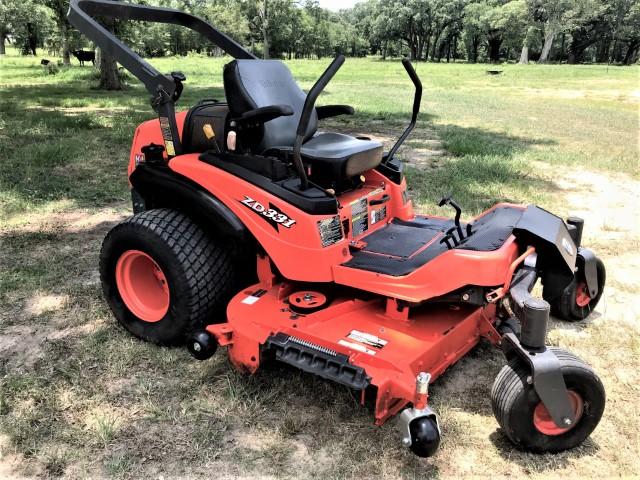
[(367, 339), (359, 219), (377, 215), (165, 126), (171, 150), (254, 297), (356, 346)]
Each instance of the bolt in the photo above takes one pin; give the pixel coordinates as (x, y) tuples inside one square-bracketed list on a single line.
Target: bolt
[(196, 346), (567, 421), (422, 382), (529, 379), (406, 441), (466, 297)]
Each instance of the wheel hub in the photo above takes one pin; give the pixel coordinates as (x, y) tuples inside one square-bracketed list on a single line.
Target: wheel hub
[(544, 423), (582, 295), (142, 286)]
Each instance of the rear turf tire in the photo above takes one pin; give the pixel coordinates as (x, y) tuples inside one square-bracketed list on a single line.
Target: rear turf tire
[(198, 273), (514, 403)]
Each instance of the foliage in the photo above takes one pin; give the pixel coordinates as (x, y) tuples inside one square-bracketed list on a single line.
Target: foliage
[(470, 30)]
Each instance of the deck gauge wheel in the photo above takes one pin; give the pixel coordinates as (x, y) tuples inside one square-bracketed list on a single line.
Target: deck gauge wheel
[(527, 422)]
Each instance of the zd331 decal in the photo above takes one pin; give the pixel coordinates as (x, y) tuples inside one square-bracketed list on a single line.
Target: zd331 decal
[(272, 214)]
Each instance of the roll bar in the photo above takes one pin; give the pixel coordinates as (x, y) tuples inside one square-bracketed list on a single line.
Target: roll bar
[(165, 89), (305, 117), (416, 107), (82, 15)]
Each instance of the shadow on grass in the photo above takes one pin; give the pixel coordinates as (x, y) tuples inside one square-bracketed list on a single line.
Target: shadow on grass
[(60, 146), (539, 463)]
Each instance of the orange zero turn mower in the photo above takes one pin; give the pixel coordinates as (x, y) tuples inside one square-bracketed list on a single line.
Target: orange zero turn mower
[(256, 231)]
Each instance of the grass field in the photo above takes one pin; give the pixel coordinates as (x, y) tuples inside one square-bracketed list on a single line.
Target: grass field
[(81, 398)]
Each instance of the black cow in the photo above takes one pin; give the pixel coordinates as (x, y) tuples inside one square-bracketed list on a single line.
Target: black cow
[(84, 56)]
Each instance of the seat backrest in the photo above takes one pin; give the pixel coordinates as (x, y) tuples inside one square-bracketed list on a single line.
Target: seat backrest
[(250, 84)]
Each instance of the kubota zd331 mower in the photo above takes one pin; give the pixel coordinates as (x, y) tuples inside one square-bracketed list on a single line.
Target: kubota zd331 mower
[(309, 242)]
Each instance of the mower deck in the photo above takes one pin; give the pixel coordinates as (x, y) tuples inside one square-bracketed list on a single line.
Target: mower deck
[(378, 345)]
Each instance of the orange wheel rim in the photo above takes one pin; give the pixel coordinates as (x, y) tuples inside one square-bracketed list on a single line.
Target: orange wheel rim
[(582, 295), (544, 423), (142, 286)]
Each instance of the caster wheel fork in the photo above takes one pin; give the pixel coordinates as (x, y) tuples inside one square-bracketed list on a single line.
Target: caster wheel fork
[(419, 424)]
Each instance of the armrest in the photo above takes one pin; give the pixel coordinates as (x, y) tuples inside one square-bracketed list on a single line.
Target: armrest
[(326, 111), (264, 114)]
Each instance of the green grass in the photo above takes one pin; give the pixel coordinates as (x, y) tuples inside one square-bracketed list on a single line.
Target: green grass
[(66, 144), (80, 398)]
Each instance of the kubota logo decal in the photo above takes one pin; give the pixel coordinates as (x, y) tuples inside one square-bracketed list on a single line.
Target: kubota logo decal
[(272, 214)]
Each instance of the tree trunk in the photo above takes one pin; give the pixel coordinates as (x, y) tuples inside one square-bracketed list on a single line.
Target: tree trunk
[(109, 78), (631, 52), (604, 47), (64, 35), (455, 48), (3, 51), (549, 35), (524, 54), (494, 41), (32, 39), (474, 49), (412, 49), (434, 47), (427, 46), (265, 31)]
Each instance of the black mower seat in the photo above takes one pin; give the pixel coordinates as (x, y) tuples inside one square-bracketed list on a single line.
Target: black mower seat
[(252, 84), (339, 155)]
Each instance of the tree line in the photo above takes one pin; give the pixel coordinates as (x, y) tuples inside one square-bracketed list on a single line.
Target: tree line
[(572, 31)]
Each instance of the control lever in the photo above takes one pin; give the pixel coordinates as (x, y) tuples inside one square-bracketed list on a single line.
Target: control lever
[(450, 201), (178, 78)]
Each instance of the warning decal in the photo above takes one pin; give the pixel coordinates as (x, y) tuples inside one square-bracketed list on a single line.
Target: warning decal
[(166, 135), (367, 339)]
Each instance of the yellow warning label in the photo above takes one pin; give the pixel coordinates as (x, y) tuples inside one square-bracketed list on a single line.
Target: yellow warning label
[(169, 147)]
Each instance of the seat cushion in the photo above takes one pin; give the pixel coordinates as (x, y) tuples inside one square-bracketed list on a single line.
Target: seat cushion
[(340, 156)]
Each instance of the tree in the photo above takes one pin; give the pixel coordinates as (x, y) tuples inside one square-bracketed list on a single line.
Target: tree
[(24, 20), (629, 34), (60, 9), (109, 75)]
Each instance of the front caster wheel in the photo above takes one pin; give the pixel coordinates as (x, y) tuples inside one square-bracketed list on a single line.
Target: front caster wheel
[(425, 436), (526, 421)]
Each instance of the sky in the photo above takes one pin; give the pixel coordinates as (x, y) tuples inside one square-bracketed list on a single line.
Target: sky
[(336, 5)]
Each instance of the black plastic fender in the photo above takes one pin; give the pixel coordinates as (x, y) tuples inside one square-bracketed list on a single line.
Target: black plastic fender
[(159, 186), (588, 261), (551, 238)]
